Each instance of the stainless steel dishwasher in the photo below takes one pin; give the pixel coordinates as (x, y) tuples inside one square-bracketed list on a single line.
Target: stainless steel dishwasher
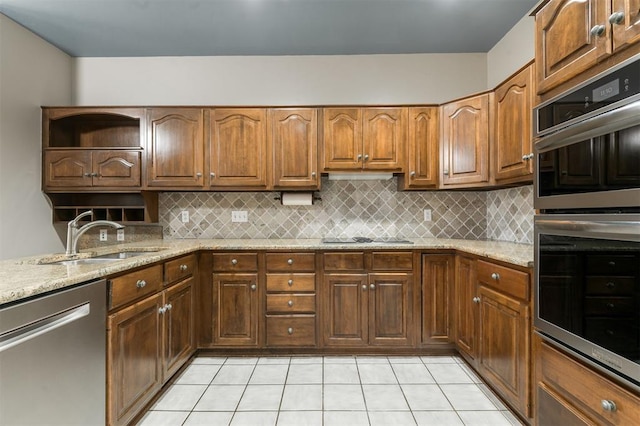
[(52, 358)]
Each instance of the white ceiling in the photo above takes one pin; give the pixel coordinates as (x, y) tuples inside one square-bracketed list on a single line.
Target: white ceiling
[(86, 28)]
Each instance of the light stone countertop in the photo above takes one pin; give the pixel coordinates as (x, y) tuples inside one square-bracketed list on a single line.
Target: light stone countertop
[(26, 277)]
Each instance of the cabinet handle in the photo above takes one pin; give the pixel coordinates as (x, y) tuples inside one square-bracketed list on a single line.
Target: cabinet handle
[(212, 174), (290, 261), (495, 276), (445, 172), (198, 174), (87, 175), (608, 405), (476, 300), (366, 157), (141, 283), (612, 263), (372, 286), (609, 285), (290, 303), (611, 305), (183, 268), (412, 174), (313, 174), (610, 332), (290, 282), (253, 287), (531, 155), (168, 306), (234, 261), (364, 287), (162, 310), (616, 18), (597, 30), (359, 157), (290, 330)]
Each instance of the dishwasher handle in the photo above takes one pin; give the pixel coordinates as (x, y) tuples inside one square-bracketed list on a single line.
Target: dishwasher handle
[(43, 326)]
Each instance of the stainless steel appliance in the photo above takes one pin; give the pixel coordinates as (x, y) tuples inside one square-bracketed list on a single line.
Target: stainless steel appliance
[(52, 358), (587, 235)]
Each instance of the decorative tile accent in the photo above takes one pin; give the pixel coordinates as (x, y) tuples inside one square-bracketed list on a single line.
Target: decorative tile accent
[(353, 208), (510, 215)]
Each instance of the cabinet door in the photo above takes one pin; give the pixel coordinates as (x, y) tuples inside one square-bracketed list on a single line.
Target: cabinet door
[(565, 46), (390, 309), (67, 169), (505, 346), (342, 139), (627, 31), (179, 323), (465, 141), (345, 303), (438, 276), (293, 137), (238, 148), (511, 144), (466, 307), (175, 148), (422, 159), (384, 138), (134, 366), (235, 309), (579, 164), (116, 168)]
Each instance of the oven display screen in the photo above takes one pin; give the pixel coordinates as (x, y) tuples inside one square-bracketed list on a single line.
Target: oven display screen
[(606, 91)]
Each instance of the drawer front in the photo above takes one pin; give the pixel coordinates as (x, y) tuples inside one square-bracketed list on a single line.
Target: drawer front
[(291, 262), (610, 286), (392, 261), (291, 330), (609, 306), (612, 265), (291, 303), (132, 286), (586, 389), (350, 261), (291, 282), (506, 280), (178, 269), (235, 262)]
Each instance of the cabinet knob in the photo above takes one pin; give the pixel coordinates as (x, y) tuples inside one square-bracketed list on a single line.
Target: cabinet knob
[(611, 306), (290, 282), (168, 306), (366, 157), (364, 287), (495, 276), (313, 174), (445, 172), (141, 283), (290, 261), (372, 286), (616, 18), (198, 174), (610, 285), (212, 174), (612, 263), (234, 261), (359, 157), (412, 174), (476, 300), (253, 287), (162, 310), (597, 30), (531, 155), (608, 405), (290, 330), (290, 303), (183, 268), (87, 175)]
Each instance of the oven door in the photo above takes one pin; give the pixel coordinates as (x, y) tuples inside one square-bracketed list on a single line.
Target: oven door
[(587, 287)]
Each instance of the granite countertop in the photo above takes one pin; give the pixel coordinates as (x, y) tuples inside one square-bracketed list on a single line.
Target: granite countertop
[(27, 277)]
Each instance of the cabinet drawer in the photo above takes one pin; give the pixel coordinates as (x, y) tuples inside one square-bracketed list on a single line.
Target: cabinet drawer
[(609, 306), (177, 269), (127, 288), (612, 265), (232, 262), (291, 303), (291, 262), (586, 389), (506, 280), (391, 261), (291, 282), (350, 261), (291, 330), (610, 286)]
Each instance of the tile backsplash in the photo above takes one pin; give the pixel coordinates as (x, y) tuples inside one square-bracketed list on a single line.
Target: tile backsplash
[(371, 208)]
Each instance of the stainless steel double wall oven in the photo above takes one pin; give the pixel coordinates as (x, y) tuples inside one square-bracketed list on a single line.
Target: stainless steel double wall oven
[(587, 234)]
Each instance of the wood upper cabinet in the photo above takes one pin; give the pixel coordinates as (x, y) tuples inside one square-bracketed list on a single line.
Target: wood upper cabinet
[(293, 142), (238, 140), (422, 149), (91, 169), (464, 144), (364, 138), (175, 149), (511, 145), (626, 27), (235, 309), (438, 275), (466, 307)]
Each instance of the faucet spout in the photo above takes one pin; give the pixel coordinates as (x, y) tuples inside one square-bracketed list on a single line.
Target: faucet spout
[(74, 233)]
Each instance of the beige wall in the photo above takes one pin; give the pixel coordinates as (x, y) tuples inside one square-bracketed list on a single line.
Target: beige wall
[(514, 50), (32, 73), (279, 80)]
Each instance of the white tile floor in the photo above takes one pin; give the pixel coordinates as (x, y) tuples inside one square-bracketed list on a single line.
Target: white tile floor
[(328, 391)]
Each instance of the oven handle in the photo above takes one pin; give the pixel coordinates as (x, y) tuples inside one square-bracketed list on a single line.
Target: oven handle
[(610, 121), (602, 227)]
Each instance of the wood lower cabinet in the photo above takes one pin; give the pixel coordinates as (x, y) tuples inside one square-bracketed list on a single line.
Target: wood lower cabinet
[(368, 308), (438, 281), (567, 391), (466, 307), (179, 326)]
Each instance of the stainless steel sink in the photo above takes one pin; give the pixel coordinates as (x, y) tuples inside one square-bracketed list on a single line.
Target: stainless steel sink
[(85, 261)]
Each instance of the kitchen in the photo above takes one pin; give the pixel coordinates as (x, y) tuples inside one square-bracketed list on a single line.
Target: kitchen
[(130, 81)]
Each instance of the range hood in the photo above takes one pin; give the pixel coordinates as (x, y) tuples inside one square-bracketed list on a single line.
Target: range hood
[(360, 176)]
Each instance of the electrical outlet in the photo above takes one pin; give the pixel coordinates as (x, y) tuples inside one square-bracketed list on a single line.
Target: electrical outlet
[(427, 215), (184, 216), (103, 235), (120, 235), (239, 216)]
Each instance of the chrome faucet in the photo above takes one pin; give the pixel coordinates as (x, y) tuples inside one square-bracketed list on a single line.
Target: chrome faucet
[(74, 233)]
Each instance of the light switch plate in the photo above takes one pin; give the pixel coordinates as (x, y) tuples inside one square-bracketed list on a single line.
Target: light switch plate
[(103, 235), (120, 235), (427, 215), (184, 216), (239, 216)]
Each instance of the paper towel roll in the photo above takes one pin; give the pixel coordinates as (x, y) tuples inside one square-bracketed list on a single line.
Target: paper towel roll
[(297, 198)]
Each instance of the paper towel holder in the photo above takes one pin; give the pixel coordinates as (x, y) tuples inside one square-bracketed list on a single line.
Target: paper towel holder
[(314, 197)]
